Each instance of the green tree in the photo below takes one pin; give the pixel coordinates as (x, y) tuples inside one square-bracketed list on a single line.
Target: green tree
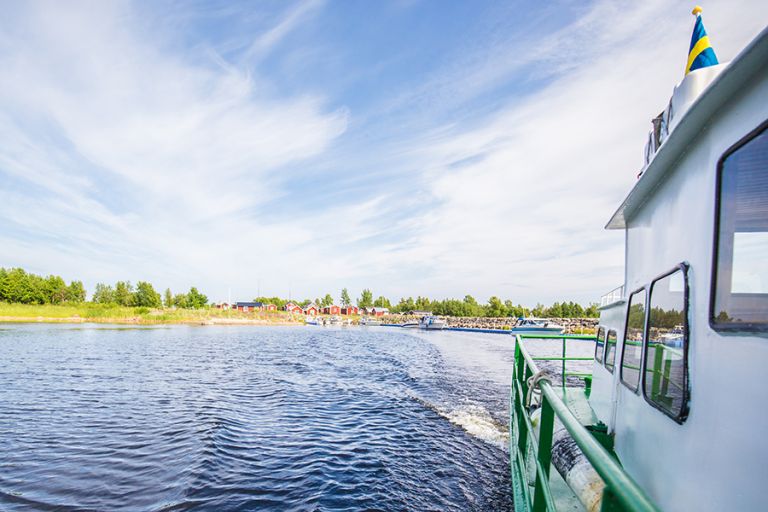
[(103, 294), (404, 306), (76, 292), (277, 301), (382, 302), (423, 303), (345, 300), (55, 290), (124, 293), (495, 307), (592, 311), (366, 299), (554, 311), (195, 299), (327, 300), (168, 302), (3, 285), (180, 300), (146, 296)]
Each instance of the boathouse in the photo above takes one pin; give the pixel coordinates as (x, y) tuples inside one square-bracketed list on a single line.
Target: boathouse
[(248, 306), (350, 310), (270, 307), (377, 311), (312, 309), (332, 310), (292, 307)]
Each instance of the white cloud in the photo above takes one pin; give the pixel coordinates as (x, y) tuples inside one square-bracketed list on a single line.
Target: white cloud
[(141, 162)]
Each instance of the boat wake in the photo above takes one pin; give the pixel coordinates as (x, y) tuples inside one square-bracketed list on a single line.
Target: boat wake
[(475, 420), (478, 422)]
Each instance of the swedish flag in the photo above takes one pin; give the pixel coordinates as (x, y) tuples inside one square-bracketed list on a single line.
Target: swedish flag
[(701, 53)]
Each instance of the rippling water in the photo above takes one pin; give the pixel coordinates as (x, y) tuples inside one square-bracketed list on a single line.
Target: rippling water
[(252, 418)]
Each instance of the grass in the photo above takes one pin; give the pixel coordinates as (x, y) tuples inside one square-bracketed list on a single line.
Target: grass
[(120, 314)]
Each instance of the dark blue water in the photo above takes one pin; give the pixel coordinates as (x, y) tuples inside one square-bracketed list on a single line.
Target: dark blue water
[(251, 418)]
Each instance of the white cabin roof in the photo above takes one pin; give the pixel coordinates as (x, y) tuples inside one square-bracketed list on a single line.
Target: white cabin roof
[(723, 88)]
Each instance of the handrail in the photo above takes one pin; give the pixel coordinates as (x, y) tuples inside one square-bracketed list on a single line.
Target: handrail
[(620, 492), (612, 296)]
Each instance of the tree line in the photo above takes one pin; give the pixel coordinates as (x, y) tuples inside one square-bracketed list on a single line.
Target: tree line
[(468, 307), (144, 295), (21, 287)]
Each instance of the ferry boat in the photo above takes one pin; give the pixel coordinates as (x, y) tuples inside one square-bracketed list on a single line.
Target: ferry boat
[(533, 326), (432, 323), (672, 416)]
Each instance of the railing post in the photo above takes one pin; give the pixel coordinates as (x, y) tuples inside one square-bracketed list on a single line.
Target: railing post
[(564, 344), (520, 373), (546, 427)]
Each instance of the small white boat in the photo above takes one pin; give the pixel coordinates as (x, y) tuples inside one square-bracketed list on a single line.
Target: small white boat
[(369, 321), (430, 322), (334, 320), (312, 320), (536, 326), (410, 325)]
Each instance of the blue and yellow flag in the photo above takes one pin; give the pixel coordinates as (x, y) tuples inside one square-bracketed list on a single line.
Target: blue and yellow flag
[(701, 54)]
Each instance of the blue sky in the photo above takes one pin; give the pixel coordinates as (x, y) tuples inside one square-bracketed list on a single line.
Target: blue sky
[(412, 147)]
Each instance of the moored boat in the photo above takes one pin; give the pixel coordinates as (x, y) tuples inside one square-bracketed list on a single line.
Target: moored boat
[(536, 326), (366, 320), (432, 323), (655, 425)]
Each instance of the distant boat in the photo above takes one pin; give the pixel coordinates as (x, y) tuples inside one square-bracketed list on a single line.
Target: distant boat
[(312, 320), (430, 322), (410, 325), (536, 326), (334, 320), (369, 321)]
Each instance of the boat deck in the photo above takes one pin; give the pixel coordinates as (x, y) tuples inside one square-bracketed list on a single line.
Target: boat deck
[(533, 419)]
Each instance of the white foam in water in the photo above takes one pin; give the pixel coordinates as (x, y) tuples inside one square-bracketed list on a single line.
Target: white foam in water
[(478, 422)]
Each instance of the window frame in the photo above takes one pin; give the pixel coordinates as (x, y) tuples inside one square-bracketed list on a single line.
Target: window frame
[(612, 368), (597, 340), (685, 408), (636, 390), (730, 327)]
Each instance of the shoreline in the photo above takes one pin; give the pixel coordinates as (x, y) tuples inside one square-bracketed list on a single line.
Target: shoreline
[(144, 321)]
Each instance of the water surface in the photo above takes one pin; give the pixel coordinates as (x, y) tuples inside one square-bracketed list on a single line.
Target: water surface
[(252, 418)]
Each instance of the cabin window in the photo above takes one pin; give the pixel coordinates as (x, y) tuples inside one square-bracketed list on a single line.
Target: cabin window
[(740, 279), (665, 380), (633, 340), (599, 344), (610, 350)]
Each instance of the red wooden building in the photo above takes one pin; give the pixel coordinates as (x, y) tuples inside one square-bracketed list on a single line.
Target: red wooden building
[(293, 308), (332, 310), (377, 311), (350, 310), (312, 309), (270, 307)]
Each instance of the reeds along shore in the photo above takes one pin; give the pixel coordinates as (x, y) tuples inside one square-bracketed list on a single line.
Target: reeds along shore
[(101, 313)]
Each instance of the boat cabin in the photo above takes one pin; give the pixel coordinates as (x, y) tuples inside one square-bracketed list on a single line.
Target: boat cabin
[(680, 374)]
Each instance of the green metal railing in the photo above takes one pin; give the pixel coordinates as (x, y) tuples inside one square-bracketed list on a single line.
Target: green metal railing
[(620, 493)]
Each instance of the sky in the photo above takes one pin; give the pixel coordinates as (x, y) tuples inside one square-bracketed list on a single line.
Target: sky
[(437, 148)]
